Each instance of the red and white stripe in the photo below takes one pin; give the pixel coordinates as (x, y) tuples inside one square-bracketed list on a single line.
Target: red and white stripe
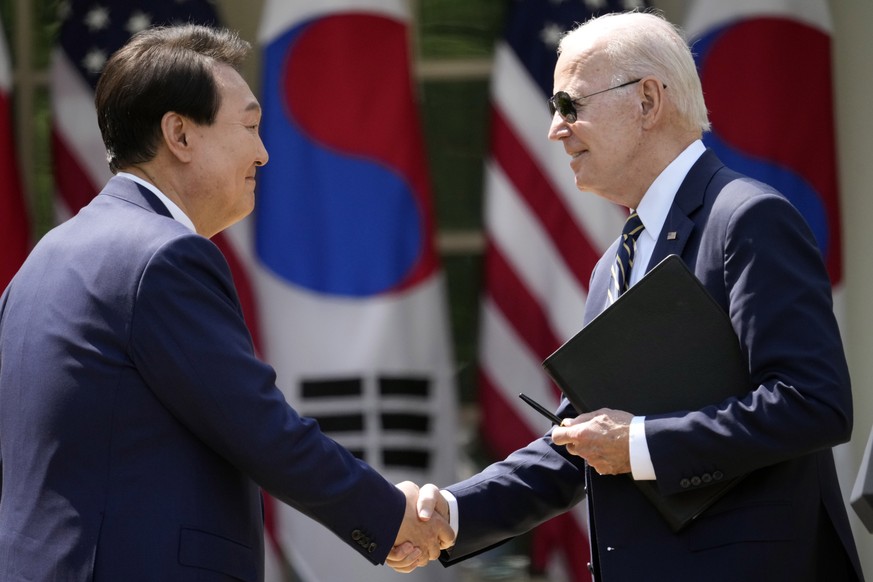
[(543, 238), (14, 224)]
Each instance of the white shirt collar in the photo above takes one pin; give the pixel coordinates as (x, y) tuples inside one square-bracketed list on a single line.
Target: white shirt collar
[(659, 197), (171, 206), (656, 203)]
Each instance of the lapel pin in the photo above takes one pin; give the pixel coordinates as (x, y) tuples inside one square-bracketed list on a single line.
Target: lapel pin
[(672, 235)]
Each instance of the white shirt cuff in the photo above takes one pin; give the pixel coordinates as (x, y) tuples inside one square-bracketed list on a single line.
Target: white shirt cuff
[(453, 510), (640, 459)]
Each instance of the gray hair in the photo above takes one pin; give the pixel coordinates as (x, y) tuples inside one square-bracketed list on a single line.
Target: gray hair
[(647, 44)]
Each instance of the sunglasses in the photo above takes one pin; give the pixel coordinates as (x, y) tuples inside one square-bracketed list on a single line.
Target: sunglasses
[(562, 103)]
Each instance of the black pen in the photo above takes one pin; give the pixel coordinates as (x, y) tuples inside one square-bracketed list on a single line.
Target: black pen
[(540, 408)]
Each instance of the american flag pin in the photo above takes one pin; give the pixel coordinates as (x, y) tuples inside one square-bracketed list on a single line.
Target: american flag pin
[(672, 235)]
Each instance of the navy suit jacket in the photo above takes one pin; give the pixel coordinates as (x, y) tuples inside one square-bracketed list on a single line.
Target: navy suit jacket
[(786, 520), (136, 423)]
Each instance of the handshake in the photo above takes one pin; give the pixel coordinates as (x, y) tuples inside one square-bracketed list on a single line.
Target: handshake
[(600, 437), (425, 529)]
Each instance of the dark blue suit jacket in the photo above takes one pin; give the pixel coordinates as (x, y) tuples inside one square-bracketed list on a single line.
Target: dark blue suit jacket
[(136, 423), (786, 520)]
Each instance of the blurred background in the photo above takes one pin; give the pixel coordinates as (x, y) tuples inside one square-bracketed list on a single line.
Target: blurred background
[(440, 251)]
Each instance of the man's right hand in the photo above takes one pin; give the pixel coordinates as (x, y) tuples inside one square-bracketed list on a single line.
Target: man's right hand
[(429, 501), (422, 534)]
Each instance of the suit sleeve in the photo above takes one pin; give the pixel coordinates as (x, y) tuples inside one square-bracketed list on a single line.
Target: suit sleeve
[(779, 301), (3, 298), (513, 496), (189, 341)]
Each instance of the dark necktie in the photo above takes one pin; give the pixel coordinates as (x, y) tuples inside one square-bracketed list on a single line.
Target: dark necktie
[(624, 258)]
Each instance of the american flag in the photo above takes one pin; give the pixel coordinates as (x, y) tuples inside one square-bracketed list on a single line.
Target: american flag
[(14, 225), (543, 239), (91, 30)]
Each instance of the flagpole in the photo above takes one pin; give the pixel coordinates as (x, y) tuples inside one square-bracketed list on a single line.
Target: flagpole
[(23, 84)]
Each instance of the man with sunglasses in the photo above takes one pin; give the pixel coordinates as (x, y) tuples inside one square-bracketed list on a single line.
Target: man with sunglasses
[(629, 111)]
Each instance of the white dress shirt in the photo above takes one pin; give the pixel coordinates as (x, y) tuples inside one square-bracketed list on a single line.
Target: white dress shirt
[(653, 211)]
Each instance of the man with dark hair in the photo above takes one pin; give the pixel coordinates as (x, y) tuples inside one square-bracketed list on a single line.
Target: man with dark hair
[(136, 423)]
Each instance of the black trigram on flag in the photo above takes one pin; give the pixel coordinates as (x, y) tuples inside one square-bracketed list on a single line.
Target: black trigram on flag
[(385, 420)]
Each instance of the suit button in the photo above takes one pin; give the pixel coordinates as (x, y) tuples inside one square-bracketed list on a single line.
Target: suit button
[(717, 475), (371, 548), (706, 477), (695, 481), (356, 534), (684, 483)]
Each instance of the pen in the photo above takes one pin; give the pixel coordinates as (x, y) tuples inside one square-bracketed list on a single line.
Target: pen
[(540, 408)]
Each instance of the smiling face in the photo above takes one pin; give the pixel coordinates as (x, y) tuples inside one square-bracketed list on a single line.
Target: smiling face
[(605, 140), (226, 155)]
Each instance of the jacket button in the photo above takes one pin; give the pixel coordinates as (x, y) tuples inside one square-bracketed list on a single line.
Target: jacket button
[(684, 483), (356, 534), (717, 475), (371, 548), (706, 477), (695, 481)]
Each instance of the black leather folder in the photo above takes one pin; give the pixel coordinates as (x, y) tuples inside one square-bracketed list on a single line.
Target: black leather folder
[(664, 346)]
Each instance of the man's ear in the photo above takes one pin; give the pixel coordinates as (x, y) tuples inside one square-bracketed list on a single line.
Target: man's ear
[(652, 100), (174, 129)]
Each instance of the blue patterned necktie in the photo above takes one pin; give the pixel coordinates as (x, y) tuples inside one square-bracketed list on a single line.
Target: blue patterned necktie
[(624, 258)]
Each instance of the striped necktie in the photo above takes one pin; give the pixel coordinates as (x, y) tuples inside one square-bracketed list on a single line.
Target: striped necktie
[(624, 258)]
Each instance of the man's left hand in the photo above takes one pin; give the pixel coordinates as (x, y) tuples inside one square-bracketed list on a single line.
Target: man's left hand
[(599, 437)]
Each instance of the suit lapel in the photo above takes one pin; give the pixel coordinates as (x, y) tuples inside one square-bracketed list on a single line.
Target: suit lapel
[(689, 198), (596, 301), (675, 234)]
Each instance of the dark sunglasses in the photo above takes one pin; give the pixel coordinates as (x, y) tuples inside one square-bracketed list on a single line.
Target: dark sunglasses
[(566, 105)]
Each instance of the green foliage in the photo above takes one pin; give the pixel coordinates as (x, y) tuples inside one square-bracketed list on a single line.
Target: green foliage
[(459, 28)]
